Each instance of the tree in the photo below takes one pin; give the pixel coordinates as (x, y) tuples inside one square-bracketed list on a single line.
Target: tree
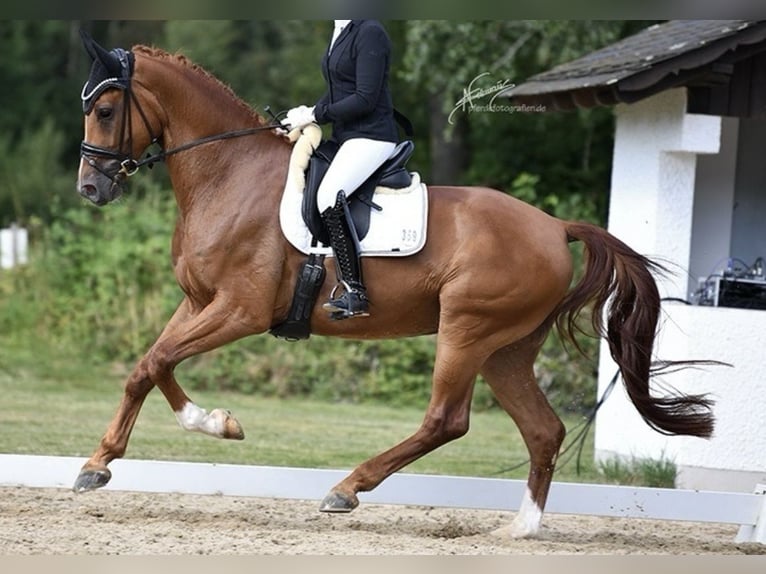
[(563, 160), (274, 64)]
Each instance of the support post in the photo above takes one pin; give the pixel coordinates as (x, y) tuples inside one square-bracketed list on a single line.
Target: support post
[(755, 532)]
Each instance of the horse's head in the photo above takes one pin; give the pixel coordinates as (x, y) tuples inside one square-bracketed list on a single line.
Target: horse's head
[(112, 140)]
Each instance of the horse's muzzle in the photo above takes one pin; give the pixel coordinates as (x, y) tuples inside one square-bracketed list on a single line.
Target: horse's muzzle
[(101, 194), (91, 193), (101, 187)]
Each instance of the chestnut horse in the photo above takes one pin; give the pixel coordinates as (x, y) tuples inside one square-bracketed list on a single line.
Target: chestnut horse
[(491, 281)]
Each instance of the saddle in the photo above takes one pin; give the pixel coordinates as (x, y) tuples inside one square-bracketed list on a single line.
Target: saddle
[(392, 174)]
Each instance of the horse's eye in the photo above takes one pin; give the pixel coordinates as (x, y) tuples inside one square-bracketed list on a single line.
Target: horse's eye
[(104, 112)]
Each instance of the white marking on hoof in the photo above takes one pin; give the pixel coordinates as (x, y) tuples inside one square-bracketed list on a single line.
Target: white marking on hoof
[(194, 418), (528, 519)]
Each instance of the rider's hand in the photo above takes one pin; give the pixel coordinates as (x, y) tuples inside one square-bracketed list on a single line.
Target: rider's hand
[(299, 117)]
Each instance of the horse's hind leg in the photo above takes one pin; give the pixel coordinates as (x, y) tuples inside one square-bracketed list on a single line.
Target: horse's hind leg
[(510, 374), (187, 333)]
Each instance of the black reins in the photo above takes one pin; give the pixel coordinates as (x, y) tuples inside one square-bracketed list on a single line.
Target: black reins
[(128, 165)]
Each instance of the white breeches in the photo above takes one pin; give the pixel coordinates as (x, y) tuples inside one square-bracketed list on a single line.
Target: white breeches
[(355, 161)]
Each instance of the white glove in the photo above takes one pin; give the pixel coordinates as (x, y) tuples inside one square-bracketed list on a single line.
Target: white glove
[(299, 117)]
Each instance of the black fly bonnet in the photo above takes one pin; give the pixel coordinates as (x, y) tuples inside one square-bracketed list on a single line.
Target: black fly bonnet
[(109, 70)]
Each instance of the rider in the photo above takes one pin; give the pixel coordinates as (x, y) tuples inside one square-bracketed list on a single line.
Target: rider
[(358, 105)]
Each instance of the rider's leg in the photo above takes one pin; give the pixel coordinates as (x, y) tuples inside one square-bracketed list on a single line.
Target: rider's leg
[(353, 301), (354, 162)]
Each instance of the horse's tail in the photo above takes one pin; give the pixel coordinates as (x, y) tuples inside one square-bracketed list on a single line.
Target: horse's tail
[(620, 280)]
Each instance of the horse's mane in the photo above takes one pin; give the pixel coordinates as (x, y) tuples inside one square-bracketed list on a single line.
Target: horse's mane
[(182, 60)]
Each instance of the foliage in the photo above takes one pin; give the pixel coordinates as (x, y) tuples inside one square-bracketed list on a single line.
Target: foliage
[(98, 281), (569, 154), (32, 176), (638, 471), (395, 372), (37, 75), (265, 63), (450, 53)]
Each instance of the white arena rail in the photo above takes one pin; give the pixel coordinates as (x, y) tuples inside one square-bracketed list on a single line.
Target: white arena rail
[(747, 510)]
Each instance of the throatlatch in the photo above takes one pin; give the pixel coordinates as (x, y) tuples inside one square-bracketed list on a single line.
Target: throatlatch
[(353, 301)]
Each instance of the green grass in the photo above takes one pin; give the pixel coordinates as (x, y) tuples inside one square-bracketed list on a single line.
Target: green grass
[(637, 471), (60, 405)]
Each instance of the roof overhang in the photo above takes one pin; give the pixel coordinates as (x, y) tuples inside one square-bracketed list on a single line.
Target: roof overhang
[(673, 54)]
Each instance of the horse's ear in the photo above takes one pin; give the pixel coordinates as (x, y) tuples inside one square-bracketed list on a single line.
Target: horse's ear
[(109, 69), (89, 44), (109, 59)]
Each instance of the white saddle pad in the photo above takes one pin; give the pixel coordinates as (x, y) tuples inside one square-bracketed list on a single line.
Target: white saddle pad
[(397, 230)]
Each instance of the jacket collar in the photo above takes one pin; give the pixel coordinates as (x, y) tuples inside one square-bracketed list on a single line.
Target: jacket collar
[(344, 34)]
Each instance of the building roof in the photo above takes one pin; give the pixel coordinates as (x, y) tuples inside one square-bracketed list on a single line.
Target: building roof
[(671, 54)]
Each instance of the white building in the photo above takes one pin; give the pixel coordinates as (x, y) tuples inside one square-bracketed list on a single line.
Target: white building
[(688, 187)]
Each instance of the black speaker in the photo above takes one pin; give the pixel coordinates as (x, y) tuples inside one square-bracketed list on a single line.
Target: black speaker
[(741, 293)]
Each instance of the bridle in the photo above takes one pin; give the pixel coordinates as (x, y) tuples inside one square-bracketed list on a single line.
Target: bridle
[(91, 153), (128, 165)]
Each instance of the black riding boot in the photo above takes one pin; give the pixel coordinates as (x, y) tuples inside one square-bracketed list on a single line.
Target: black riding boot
[(353, 301)]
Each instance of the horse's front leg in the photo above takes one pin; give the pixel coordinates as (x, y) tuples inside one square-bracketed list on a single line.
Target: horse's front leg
[(188, 333), (446, 419)]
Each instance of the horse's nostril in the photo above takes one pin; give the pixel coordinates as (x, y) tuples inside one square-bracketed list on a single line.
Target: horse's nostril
[(90, 192)]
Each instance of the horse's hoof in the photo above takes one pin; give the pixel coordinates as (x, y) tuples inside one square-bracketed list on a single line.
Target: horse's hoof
[(91, 479), (338, 502), (232, 430), (517, 530)]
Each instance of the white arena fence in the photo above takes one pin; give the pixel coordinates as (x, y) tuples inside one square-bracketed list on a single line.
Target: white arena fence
[(746, 510)]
